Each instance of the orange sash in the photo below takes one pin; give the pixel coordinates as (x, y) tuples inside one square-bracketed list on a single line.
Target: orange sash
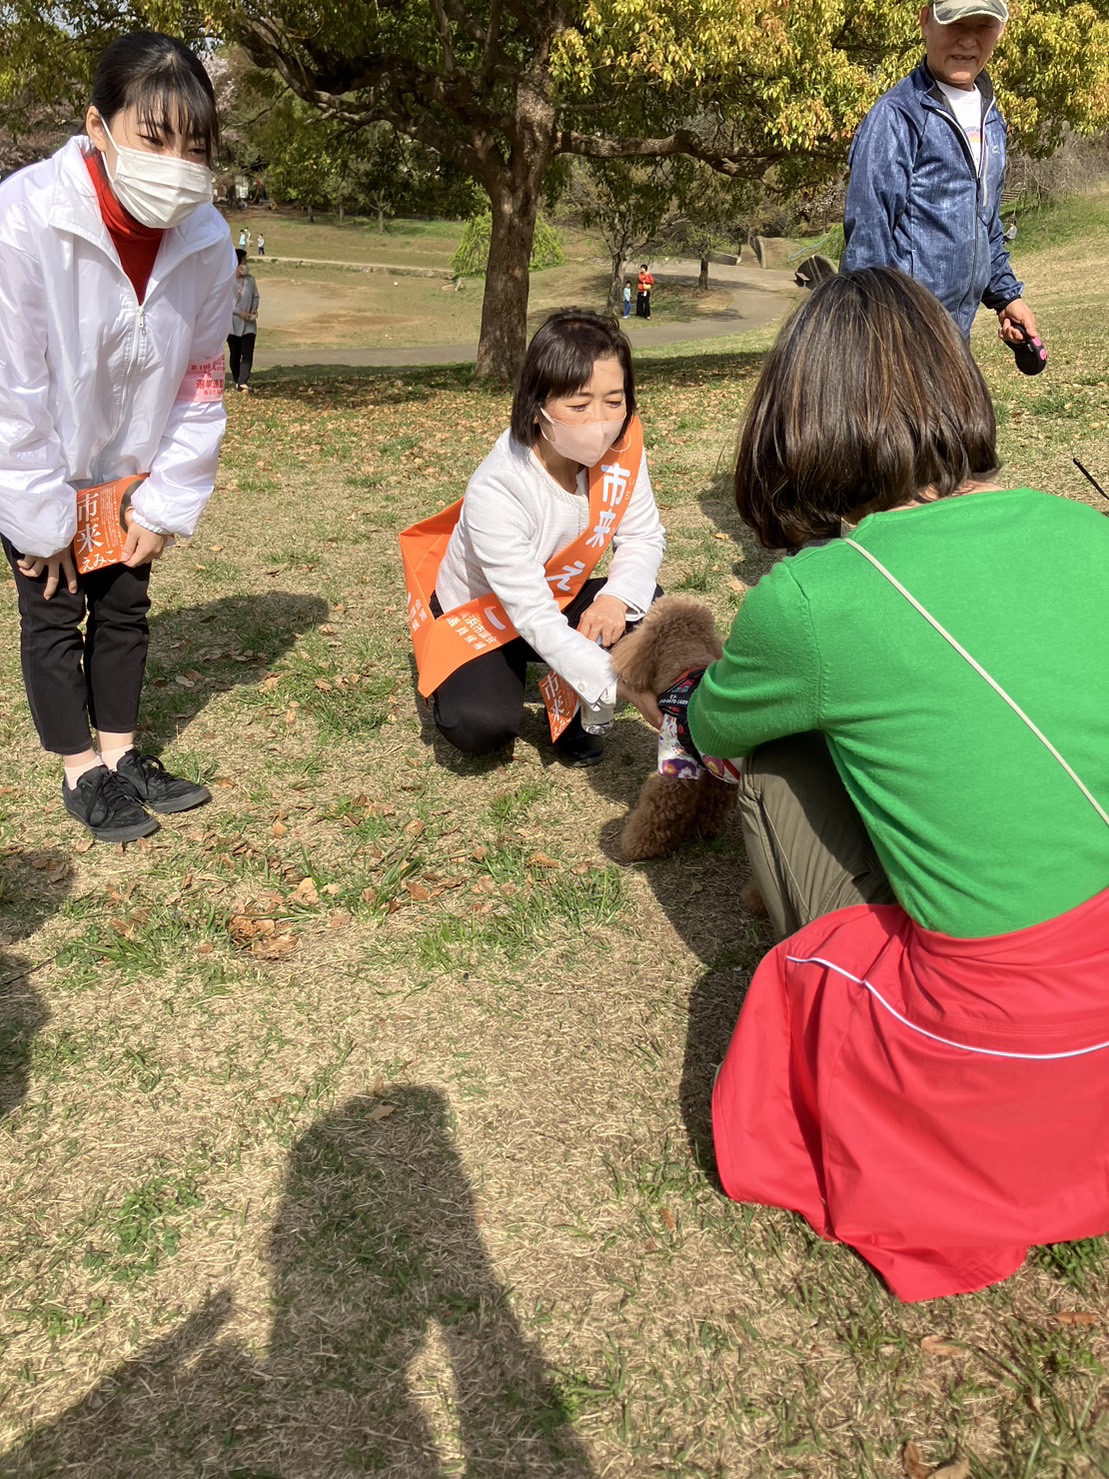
[(443, 644)]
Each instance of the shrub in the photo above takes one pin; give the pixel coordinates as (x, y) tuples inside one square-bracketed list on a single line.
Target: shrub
[(472, 256)]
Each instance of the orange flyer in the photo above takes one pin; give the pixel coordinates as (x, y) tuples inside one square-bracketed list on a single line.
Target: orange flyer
[(101, 532)]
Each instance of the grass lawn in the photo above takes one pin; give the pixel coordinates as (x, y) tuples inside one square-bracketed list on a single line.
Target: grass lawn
[(358, 1122)]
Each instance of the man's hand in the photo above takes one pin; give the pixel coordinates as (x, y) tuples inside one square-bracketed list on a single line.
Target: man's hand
[(142, 545), (644, 700), (1012, 318), (55, 566), (604, 620)]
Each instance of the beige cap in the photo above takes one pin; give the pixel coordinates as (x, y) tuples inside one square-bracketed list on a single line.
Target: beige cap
[(947, 11)]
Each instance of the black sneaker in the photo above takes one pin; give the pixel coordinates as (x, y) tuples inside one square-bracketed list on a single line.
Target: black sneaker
[(148, 781), (106, 808), (575, 747)]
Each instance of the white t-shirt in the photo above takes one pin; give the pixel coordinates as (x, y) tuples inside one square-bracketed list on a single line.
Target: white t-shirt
[(966, 104)]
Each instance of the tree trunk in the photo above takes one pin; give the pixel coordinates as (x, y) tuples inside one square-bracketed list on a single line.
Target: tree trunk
[(504, 308), (381, 219), (703, 278), (615, 302)]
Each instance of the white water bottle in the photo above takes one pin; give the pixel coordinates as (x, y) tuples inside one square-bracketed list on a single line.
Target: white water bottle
[(597, 718)]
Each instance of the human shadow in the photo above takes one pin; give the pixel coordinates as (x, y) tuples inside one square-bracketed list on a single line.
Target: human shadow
[(197, 651), (393, 1348), (33, 886)]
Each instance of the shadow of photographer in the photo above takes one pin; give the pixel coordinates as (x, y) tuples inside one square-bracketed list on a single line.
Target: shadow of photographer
[(393, 1349)]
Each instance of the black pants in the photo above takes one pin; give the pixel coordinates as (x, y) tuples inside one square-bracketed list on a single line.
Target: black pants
[(479, 709), (241, 353), (643, 305), (73, 681)]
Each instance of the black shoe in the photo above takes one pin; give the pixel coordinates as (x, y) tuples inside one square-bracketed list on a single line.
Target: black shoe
[(106, 808), (575, 747), (148, 781)]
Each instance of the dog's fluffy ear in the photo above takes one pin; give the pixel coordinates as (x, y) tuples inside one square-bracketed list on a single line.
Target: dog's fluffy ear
[(633, 658), (677, 633)]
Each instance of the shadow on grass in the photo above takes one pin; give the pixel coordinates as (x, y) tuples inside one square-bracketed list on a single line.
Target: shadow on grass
[(393, 1348), (33, 886), (223, 643)]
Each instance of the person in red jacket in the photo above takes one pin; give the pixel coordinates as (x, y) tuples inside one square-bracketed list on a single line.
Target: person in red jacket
[(643, 296)]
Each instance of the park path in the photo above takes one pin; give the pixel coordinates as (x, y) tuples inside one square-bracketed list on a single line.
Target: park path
[(758, 297)]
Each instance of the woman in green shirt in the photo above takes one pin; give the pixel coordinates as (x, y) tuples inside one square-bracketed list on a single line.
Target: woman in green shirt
[(924, 706)]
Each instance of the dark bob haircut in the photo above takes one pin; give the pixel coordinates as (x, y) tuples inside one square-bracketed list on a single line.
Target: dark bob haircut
[(560, 362), (163, 81), (868, 397)]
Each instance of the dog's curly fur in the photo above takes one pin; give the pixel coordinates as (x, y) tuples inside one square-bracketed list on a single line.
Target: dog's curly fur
[(678, 633)]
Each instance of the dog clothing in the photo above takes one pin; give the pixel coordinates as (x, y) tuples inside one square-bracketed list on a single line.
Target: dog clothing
[(678, 756)]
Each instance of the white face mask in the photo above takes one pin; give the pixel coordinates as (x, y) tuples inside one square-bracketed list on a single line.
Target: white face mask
[(586, 443), (159, 190)]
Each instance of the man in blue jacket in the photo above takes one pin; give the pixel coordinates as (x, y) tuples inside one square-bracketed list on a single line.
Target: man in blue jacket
[(927, 165)]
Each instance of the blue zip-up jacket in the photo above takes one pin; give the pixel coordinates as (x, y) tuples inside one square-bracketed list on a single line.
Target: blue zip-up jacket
[(915, 202)]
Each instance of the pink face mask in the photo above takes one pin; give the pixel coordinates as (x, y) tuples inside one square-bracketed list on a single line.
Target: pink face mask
[(586, 443)]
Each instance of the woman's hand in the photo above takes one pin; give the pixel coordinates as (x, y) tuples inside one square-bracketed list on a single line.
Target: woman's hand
[(604, 620), (56, 565), (644, 700), (143, 546)]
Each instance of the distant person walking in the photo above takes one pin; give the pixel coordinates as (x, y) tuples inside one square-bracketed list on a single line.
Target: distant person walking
[(643, 296), (244, 239), (261, 245), (927, 167), (244, 323)]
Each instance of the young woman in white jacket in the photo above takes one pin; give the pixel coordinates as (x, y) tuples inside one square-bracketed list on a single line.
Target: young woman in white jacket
[(115, 292)]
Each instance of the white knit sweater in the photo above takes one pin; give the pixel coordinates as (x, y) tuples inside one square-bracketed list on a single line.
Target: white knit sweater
[(515, 516)]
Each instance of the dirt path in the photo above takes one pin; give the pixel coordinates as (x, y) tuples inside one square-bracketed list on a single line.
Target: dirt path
[(758, 298)]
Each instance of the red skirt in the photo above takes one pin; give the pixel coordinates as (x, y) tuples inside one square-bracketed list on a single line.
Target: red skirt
[(938, 1104)]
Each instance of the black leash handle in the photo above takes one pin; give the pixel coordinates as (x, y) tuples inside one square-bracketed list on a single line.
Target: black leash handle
[(1090, 478)]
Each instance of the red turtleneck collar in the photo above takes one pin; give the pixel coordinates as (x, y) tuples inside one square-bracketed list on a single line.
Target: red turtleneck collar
[(136, 244)]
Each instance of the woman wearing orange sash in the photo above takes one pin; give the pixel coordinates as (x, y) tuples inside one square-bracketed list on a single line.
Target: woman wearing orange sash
[(566, 480), (921, 1068)]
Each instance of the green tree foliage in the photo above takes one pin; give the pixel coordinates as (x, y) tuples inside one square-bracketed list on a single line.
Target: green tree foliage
[(502, 88), (472, 255)]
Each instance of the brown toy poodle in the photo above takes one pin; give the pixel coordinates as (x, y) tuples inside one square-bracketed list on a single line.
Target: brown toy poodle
[(669, 650)]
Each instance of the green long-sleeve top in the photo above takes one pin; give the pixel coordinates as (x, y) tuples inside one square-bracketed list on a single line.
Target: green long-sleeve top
[(980, 830)]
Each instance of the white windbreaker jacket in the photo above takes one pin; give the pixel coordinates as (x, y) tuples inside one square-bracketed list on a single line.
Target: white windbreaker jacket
[(93, 384)]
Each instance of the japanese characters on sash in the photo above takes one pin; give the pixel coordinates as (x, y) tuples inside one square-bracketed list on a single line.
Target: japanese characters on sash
[(443, 644)]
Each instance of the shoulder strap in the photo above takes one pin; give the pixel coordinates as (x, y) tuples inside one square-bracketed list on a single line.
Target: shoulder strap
[(980, 670)]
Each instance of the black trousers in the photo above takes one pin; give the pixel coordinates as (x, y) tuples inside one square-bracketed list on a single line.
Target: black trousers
[(480, 707), (241, 354), (642, 305), (74, 679)]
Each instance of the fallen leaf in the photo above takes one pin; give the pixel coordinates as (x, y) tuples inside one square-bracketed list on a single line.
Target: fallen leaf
[(719, 534), (940, 1345), (1075, 1317), (338, 918), (306, 893), (205, 948), (478, 854), (331, 889), (913, 1462), (274, 948), (279, 829), (669, 1221), (417, 891), (543, 860), (382, 1111), (736, 585), (415, 828)]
